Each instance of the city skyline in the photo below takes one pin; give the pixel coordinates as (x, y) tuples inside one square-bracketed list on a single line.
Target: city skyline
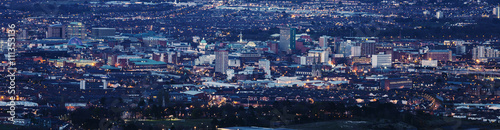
[(250, 64)]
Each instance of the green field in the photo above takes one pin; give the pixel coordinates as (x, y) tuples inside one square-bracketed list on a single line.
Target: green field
[(188, 123), (7, 127), (349, 125)]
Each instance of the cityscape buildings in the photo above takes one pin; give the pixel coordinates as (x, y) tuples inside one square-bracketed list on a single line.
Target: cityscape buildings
[(249, 64)]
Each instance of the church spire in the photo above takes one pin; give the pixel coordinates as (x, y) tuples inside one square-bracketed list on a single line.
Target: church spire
[(241, 37)]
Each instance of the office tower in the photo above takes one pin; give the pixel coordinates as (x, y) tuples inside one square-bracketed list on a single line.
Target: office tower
[(491, 52), (172, 57), (498, 11), (287, 39), (460, 49), (82, 84), (293, 33), (56, 31), (478, 52), (103, 32), (355, 51), (346, 49), (323, 41), (381, 60), (367, 48), (76, 29), (495, 11), (439, 15), (104, 84), (265, 65), (221, 61)]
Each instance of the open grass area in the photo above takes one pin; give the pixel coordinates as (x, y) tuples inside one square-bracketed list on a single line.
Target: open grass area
[(368, 124), (332, 125), (353, 124), (7, 127), (188, 123)]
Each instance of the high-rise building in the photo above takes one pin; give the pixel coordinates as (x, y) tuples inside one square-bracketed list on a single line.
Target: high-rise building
[(491, 52), (104, 84), (82, 84), (478, 52), (381, 60), (265, 65), (323, 41), (76, 29), (495, 11), (498, 11), (287, 39), (293, 33), (221, 61), (56, 31), (355, 51), (341, 48), (367, 48), (439, 15)]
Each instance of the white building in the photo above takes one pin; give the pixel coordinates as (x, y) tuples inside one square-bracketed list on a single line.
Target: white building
[(234, 62), (104, 84), (426, 12), (204, 59), (284, 79), (355, 51), (491, 52), (478, 52), (381, 60), (496, 12), (196, 39), (19, 103), (230, 74), (439, 15), (217, 84), (429, 63), (126, 57), (322, 54), (248, 70), (265, 65), (82, 84), (482, 52)]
